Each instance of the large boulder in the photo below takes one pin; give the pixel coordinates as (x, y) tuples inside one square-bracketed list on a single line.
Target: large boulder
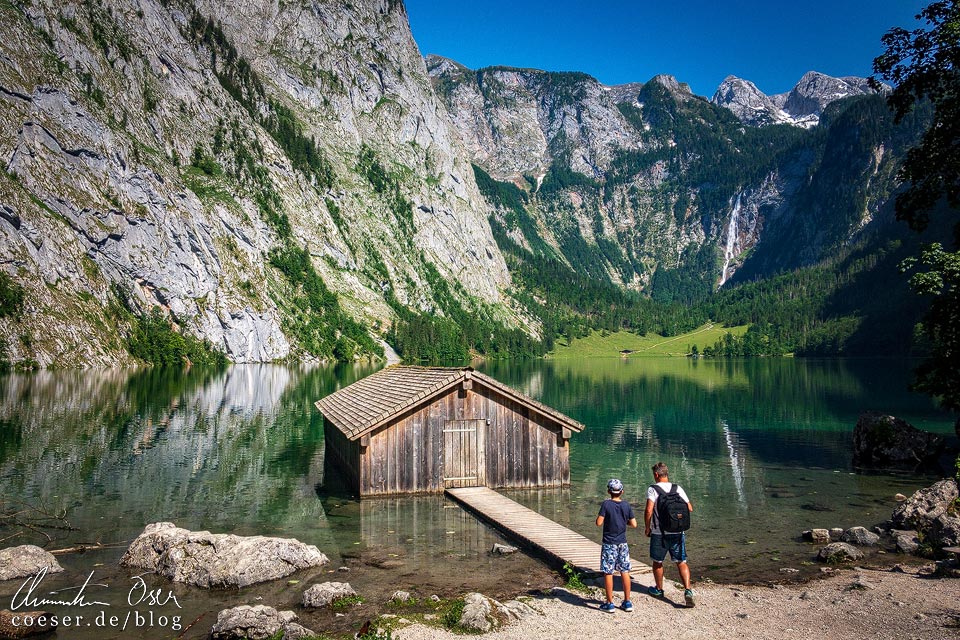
[(926, 505), (326, 593), (837, 552), (886, 442), (209, 560), (257, 623), (25, 561), (860, 536)]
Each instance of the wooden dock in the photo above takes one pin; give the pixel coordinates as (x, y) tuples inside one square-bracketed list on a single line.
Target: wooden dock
[(554, 541)]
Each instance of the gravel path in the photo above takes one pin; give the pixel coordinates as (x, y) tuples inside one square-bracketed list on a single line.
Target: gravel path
[(890, 605)]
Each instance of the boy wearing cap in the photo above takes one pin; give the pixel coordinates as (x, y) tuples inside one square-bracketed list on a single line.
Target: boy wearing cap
[(615, 516)]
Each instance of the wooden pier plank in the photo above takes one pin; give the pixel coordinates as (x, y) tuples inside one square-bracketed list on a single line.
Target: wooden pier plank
[(558, 543)]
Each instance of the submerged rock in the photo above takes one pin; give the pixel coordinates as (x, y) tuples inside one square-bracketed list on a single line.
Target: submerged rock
[(836, 552), (257, 623), (25, 561), (502, 549), (326, 593), (208, 560), (882, 441)]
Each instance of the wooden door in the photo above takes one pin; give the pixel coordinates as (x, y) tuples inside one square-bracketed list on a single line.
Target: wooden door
[(463, 459)]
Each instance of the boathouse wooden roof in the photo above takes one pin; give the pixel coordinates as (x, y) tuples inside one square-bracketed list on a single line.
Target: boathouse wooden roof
[(372, 402)]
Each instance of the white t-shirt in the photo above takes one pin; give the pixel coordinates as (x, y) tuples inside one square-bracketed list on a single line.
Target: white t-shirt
[(653, 495)]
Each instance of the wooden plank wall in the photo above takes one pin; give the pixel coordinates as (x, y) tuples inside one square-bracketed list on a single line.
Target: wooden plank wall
[(517, 449), (406, 455), (523, 449)]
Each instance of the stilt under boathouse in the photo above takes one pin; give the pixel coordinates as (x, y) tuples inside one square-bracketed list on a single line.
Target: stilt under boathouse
[(409, 429)]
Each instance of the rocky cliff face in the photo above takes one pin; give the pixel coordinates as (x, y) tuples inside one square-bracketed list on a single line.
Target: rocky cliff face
[(648, 184), (514, 121), (162, 151)]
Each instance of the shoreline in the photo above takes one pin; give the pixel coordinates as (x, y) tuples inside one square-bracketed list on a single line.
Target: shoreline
[(900, 605)]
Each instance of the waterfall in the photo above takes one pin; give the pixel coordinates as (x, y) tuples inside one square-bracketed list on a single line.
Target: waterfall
[(730, 251)]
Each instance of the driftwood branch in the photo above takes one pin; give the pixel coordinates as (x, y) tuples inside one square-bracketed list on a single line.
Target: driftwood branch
[(21, 518), (83, 547)]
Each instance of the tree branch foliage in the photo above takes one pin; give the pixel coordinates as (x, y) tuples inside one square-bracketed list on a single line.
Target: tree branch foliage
[(924, 66)]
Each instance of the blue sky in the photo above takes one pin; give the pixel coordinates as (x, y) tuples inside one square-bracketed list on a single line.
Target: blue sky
[(699, 42)]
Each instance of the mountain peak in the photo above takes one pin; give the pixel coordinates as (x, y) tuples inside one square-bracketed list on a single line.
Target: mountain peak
[(801, 106), (439, 65), (748, 103), (671, 84)]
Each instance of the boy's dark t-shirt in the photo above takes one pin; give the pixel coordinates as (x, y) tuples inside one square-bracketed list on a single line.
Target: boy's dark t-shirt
[(616, 515)]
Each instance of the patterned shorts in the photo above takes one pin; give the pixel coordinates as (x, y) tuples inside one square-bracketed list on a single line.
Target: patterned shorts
[(614, 558)]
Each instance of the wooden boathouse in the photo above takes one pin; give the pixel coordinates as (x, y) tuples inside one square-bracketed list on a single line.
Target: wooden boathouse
[(409, 429)]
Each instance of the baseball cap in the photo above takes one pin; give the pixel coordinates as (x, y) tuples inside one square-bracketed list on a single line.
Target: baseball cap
[(615, 485)]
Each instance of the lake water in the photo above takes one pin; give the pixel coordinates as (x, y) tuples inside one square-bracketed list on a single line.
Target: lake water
[(763, 448)]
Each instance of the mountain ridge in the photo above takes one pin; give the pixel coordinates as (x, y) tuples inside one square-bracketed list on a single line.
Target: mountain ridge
[(299, 183)]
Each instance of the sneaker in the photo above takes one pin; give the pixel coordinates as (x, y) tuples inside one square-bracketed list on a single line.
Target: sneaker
[(656, 593), (627, 606), (608, 607), (688, 597)]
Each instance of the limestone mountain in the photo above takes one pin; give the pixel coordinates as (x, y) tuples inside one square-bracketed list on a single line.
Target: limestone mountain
[(801, 106), (748, 103), (294, 181), (277, 179), (660, 190)]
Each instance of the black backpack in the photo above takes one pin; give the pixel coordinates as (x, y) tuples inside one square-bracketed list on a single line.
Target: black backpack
[(673, 514)]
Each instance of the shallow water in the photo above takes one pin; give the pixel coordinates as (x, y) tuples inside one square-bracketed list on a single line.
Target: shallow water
[(763, 448)]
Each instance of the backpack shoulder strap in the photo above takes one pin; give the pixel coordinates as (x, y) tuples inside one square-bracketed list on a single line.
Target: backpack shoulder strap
[(673, 488), (659, 490)]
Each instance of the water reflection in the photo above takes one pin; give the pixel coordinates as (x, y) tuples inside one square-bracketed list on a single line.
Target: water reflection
[(242, 450), (735, 465), (200, 448)]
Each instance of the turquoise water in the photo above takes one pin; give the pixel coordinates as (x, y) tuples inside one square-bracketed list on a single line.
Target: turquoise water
[(763, 447)]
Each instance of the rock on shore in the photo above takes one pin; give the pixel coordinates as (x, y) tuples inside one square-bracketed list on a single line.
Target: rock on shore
[(20, 629), (929, 510), (209, 560), (25, 561), (326, 593), (860, 536), (482, 614), (257, 623), (836, 552)]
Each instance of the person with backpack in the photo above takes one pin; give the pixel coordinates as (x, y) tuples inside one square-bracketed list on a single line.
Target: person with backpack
[(615, 516), (666, 520)]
